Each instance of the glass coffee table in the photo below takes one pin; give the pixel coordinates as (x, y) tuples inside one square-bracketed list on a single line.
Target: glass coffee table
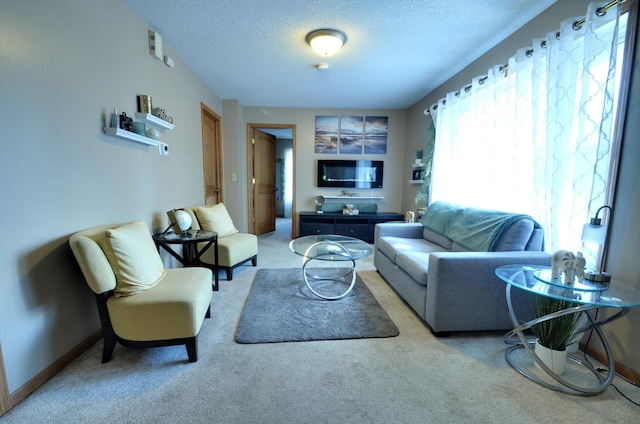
[(332, 248)]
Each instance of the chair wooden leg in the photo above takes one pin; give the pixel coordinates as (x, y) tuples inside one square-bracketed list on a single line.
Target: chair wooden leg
[(192, 349), (109, 345)]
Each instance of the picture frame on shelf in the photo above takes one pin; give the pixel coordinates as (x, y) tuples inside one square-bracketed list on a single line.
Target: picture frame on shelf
[(417, 174)]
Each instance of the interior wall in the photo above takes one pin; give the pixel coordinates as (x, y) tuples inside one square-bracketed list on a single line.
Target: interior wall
[(306, 158), (625, 238), (64, 67)]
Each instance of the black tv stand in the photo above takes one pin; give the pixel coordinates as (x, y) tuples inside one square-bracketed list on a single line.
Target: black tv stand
[(360, 226)]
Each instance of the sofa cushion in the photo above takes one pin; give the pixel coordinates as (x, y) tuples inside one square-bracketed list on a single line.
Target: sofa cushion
[(215, 218), (133, 257), (515, 237), (437, 238), (416, 264), (392, 246)]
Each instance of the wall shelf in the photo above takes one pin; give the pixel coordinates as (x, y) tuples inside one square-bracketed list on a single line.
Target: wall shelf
[(154, 120), (118, 132), (415, 181), (417, 165), (353, 198)]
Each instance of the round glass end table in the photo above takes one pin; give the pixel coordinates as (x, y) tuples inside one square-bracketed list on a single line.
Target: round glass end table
[(332, 248), (586, 298)]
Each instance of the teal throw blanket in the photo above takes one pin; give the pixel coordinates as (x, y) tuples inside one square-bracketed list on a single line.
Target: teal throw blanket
[(477, 229)]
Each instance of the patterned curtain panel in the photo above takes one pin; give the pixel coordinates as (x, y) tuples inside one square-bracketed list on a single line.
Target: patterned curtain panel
[(534, 136)]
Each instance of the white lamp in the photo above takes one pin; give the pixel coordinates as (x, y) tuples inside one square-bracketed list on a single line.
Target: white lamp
[(594, 232), (326, 42)]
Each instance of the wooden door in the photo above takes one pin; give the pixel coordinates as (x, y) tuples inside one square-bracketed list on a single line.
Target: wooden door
[(211, 156), (264, 188)]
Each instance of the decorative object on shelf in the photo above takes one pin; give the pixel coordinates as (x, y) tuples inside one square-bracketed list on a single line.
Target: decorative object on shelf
[(345, 194), (162, 114), (409, 217), (349, 209), (555, 334), (418, 161), (419, 213), (568, 265), (139, 128), (595, 232), (115, 119), (144, 103), (125, 122), (179, 220), (417, 174), (153, 134), (319, 201)]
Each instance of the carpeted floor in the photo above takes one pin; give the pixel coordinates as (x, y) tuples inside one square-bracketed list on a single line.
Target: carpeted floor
[(411, 378), (278, 311)]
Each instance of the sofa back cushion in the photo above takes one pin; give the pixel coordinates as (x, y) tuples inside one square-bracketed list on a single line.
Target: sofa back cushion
[(480, 229)]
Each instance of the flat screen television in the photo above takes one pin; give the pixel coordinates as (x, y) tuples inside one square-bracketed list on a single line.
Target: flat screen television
[(350, 173)]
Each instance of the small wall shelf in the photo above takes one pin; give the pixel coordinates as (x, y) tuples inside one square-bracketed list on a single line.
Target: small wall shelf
[(417, 165), (415, 181), (154, 120), (118, 132)]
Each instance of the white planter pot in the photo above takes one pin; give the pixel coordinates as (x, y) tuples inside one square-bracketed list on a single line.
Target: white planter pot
[(554, 359)]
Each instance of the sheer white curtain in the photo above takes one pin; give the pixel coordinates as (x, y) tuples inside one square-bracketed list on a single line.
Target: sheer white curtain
[(535, 136)]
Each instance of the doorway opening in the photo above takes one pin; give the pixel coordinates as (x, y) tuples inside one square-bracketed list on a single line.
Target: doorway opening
[(283, 169)]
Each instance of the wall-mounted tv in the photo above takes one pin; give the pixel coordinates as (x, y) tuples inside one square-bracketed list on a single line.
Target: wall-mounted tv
[(350, 173)]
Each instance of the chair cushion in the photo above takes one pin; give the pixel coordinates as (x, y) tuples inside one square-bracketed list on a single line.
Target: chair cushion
[(133, 257), (232, 249), (172, 309), (215, 218)]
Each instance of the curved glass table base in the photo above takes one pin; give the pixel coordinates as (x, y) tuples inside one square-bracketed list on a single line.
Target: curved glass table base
[(339, 279), (563, 385)]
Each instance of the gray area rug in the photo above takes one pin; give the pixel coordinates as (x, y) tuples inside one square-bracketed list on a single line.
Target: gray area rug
[(277, 311)]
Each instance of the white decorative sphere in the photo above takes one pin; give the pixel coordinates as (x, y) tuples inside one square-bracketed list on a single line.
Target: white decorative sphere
[(153, 133), (183, 220)]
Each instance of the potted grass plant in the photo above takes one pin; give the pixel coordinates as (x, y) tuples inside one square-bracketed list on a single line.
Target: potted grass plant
[(556, 334)]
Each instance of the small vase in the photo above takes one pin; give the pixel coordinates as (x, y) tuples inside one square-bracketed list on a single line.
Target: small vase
[(554, 359)]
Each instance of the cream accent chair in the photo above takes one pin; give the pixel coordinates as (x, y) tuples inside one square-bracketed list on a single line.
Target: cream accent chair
[(234, 248), (167, 311)]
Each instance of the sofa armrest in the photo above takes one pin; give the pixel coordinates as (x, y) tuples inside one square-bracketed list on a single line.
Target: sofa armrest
[(398, 229), (462, 288)]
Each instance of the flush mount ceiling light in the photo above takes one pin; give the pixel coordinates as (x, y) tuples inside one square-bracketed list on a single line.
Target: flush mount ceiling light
[(326, 42)]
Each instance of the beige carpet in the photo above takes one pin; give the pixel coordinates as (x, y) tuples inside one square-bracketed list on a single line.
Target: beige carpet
[(412, 378)]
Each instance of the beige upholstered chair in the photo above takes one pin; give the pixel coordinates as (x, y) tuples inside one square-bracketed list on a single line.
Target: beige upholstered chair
[(139, 302), (234, 248)]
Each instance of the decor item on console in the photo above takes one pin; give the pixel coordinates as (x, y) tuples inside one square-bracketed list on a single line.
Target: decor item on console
[(568, 265), (444, 266)]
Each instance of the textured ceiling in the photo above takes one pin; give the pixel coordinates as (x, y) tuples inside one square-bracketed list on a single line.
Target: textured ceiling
[(397, 51)]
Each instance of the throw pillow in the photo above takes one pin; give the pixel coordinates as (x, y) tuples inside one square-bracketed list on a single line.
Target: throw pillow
[(215, 218), (133, 257)]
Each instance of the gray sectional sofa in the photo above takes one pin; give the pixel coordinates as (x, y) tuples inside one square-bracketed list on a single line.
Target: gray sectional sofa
[(444, 266)]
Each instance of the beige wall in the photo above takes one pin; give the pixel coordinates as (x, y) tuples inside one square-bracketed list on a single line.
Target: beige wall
[(625, 235), (306, 158), (64, 66)]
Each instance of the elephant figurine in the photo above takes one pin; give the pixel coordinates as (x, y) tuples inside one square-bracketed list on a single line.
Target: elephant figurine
[(570, 265)]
